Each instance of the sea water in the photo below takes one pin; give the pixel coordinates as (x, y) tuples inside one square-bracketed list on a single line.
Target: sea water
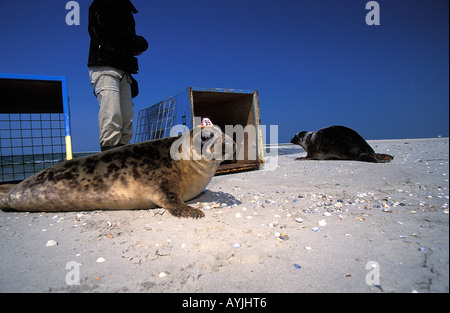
[(19, 167)]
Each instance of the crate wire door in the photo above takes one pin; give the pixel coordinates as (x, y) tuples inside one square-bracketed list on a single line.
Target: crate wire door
[(156, 121), (34, 124), (29, 143)]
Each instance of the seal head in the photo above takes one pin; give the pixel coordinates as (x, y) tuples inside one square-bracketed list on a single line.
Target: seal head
[(301, 139)]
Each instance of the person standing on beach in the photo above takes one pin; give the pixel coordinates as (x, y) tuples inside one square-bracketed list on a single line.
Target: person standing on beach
[(112, 59)]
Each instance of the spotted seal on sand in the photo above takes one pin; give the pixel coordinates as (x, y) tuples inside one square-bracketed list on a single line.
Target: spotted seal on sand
[(160, 173), (337, 143)]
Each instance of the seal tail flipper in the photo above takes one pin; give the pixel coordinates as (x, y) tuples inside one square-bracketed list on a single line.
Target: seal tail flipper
[(4, 190), (4, 204), (383, 158)]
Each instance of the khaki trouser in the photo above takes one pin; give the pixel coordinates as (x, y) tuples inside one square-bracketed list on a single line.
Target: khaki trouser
[(112, 87)]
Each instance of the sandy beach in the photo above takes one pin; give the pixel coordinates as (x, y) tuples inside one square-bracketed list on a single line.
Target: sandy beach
[(306, 226)]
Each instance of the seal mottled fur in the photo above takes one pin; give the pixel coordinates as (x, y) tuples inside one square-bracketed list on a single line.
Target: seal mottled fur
[(138, 176), (337, 143)]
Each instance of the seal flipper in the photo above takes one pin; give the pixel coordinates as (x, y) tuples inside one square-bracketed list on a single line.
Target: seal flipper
[(383, 158), (184, 210), (375, 158), (4, 205), (175, 205)]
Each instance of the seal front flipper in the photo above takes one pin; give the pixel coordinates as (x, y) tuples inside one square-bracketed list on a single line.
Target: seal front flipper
[(178, 208), (183, 210)]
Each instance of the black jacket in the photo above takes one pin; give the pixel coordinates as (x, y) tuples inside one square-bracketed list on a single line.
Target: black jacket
[(113, 36)]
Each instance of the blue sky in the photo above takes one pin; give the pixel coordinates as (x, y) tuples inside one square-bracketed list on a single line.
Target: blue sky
[(314, 63)]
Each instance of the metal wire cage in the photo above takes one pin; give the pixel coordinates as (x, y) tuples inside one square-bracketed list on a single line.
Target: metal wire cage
[(34, 125), (156, 122)]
